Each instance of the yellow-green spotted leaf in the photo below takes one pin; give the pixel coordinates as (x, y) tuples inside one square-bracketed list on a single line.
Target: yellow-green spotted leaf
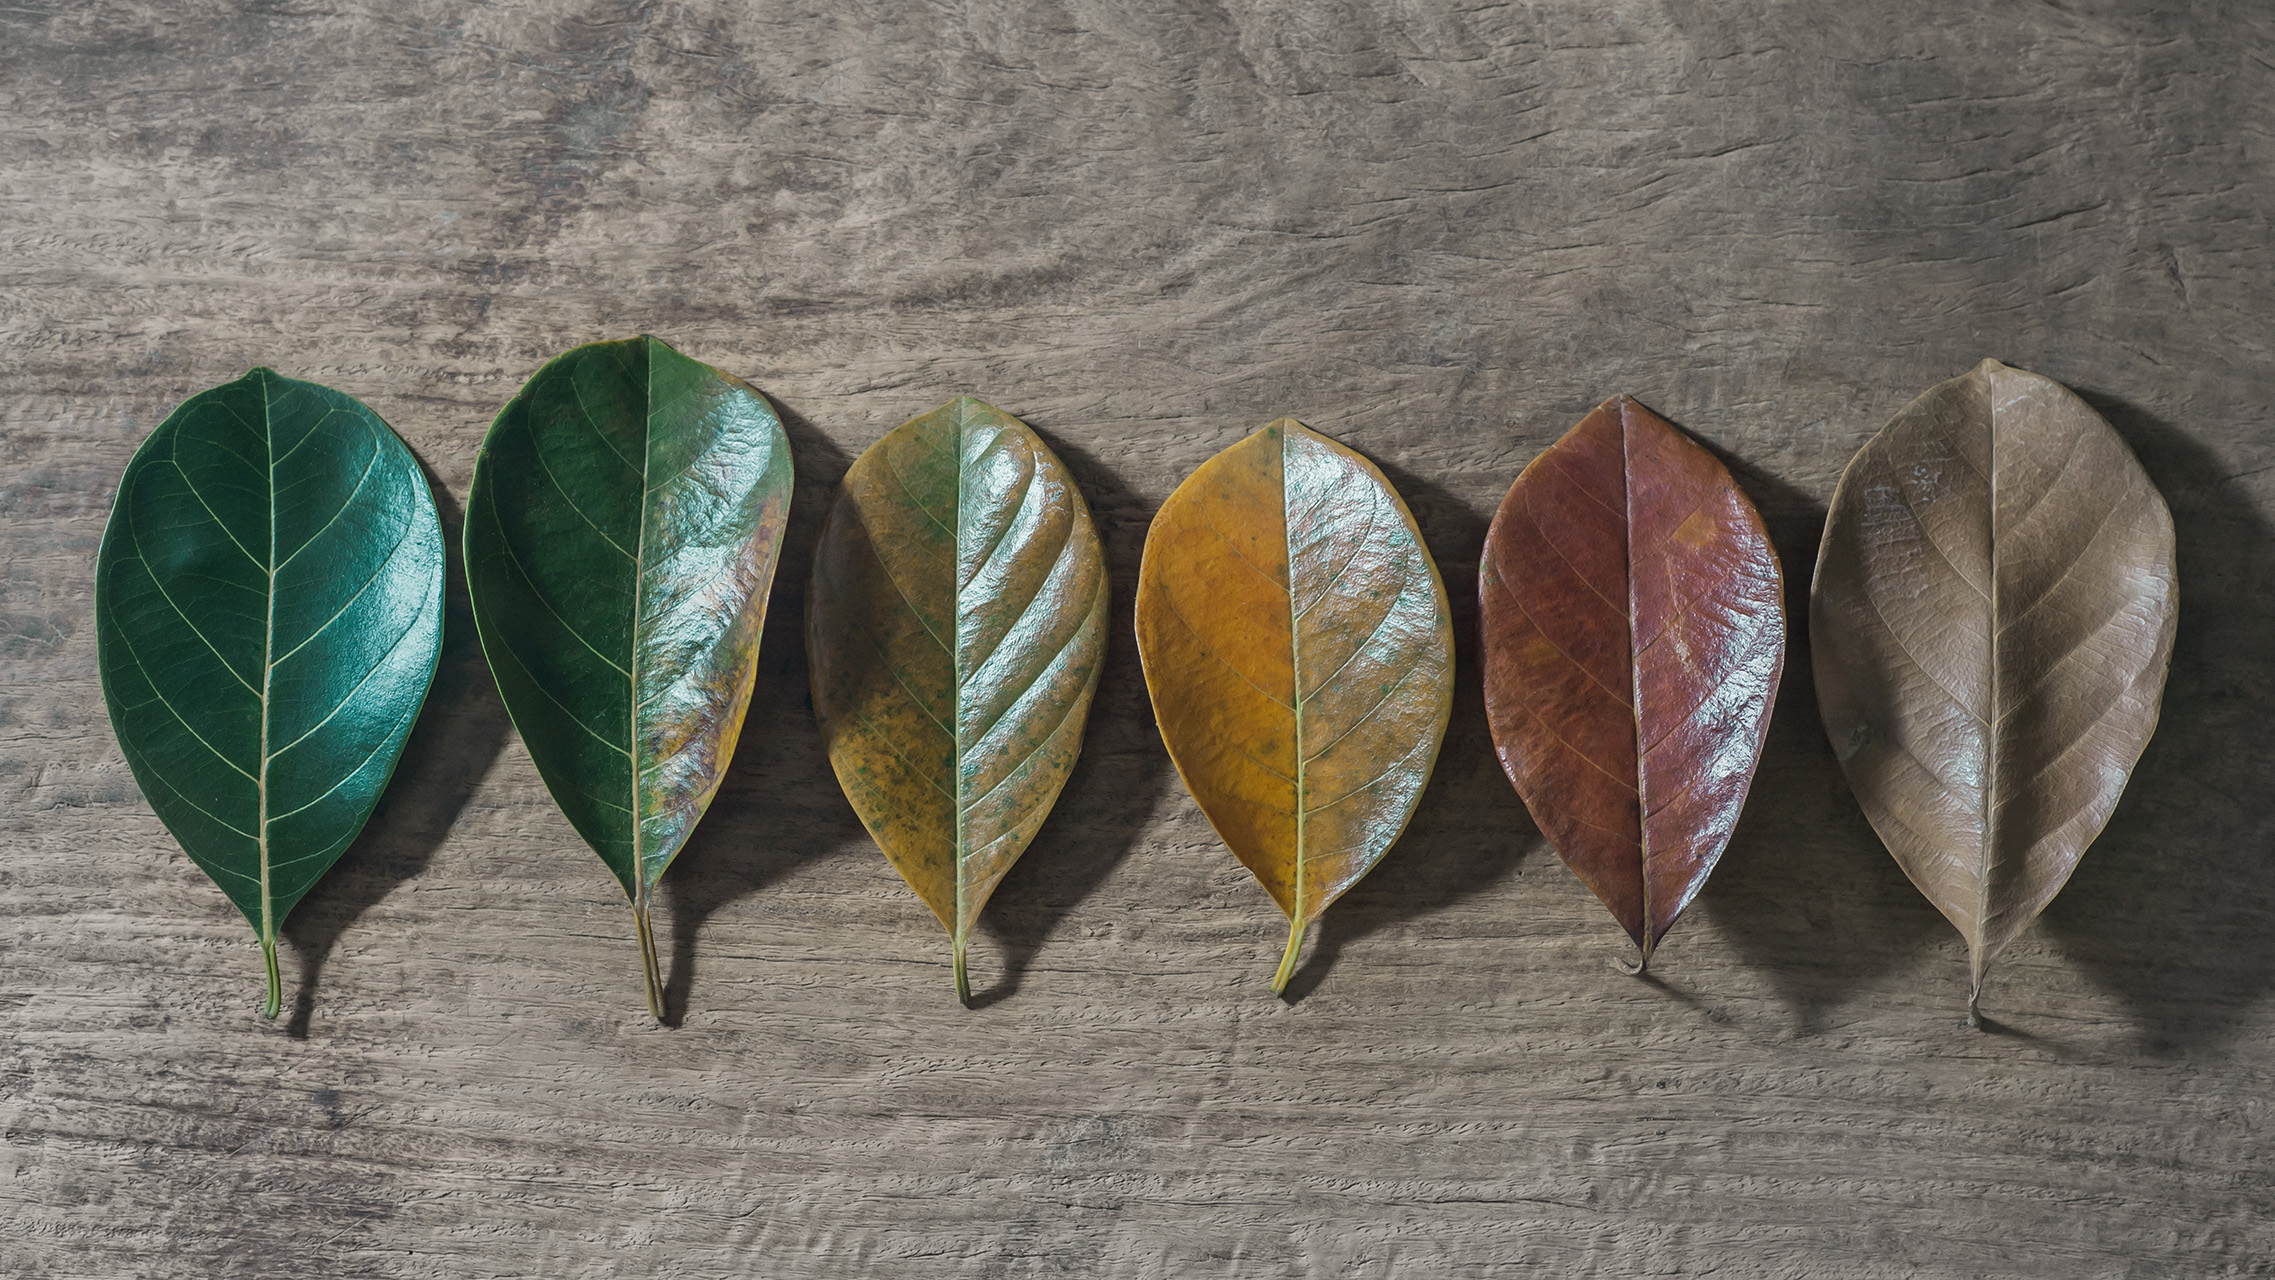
[(954, 629)]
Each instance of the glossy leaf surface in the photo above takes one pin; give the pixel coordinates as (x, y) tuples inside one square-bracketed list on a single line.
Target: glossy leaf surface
[(1633, 627), (1991, 623), (621, 536), (268, 612), (1299, 652), (955, 626)]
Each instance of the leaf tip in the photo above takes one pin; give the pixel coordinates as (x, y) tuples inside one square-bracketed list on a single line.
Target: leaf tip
[(260, 377)]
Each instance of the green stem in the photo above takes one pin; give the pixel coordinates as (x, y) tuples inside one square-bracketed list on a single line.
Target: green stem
[(274, 1003), (1975, 1009), (648, 958), (1288, 959), (963, 984)]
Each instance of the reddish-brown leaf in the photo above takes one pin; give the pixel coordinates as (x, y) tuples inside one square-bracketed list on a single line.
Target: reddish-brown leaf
[(1633, 621)]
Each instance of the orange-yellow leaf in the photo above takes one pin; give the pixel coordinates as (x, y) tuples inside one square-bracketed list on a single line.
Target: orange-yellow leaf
[(1299, 651)]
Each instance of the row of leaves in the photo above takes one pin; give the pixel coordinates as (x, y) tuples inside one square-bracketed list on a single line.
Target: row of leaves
[(1992, 618)]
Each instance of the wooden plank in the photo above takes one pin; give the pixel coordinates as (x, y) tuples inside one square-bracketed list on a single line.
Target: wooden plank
[(1438, 233)]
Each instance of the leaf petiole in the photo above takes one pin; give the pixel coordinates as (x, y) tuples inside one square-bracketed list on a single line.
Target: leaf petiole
[(273, 1004), (1287, 960), (648, 964)]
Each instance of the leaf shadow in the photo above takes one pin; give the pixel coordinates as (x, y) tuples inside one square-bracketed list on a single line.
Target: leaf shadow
[(1991, 1026), (460, 730), (2168, 909), (1805, 890), (1659, 983), (1470, 829), (1100, 817), (778, 808)]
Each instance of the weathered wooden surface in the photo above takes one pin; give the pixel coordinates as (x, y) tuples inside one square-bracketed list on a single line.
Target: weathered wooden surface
[(1438, 234)]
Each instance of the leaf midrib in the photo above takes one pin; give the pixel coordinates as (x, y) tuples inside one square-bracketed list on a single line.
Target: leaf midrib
[(268, 669), (1634, 685), (1992, 722), (640, 877), (960, 420), (1295, 684)]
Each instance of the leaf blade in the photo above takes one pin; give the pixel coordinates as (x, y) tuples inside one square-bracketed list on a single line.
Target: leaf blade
[(1632, 616), (1298, 649), (1991, 538), (956, 627), (622, 533), (269, 615)]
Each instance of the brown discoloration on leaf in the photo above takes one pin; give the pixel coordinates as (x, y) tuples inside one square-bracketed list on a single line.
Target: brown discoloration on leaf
[(955, 627), (1299, 651), (1992, 618), (1634, 632)]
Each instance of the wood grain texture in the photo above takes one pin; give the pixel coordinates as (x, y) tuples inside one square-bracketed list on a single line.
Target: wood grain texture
[(1436, 233)]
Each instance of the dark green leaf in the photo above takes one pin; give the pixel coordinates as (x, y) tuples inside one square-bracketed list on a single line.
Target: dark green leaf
[(621, 535), (268, 610)]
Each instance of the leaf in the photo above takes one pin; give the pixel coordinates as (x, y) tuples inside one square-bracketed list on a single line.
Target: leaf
[(621, 536), (954, 631), (1299, 651), (1991, 620), (268, 612), (1633, 621)]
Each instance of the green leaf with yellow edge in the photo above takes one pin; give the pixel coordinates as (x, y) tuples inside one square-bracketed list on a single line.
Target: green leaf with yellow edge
[(954, 630), (1299, 651), (621, 535)]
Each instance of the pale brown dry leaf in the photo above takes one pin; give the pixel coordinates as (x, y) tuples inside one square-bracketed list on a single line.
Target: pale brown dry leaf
[(1991, 622)]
